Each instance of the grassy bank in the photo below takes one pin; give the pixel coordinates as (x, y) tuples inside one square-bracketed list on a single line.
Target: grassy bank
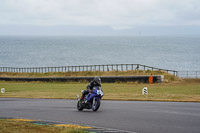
[(167, 76), (180, 90), (9, 126)]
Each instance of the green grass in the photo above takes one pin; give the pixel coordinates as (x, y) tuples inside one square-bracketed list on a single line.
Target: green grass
[(176, 91), (9, 126)]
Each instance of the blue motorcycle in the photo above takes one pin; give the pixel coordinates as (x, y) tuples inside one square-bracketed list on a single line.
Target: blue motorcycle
[(93, 100)]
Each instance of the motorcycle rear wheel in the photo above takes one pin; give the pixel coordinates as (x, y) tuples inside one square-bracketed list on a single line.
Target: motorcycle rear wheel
[(79, 106)]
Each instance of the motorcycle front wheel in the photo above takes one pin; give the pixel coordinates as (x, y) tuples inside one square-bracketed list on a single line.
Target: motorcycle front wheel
[(96, 104)]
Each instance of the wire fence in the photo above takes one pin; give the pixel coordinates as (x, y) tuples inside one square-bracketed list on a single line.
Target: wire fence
[(188, 74), (108, 67)]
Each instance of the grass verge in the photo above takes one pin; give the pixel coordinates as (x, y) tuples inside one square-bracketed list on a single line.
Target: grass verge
[(9, 126), (183, 90)]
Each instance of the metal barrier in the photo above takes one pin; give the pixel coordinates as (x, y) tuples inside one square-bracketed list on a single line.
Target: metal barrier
[(104, 79), (108, 67)]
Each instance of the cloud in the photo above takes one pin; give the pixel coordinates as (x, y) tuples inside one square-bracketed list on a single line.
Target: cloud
[(118, 14)]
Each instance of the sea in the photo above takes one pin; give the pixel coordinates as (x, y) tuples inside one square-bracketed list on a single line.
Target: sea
[(181, 53)]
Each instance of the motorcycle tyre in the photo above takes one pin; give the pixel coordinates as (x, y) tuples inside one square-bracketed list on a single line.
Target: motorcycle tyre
[(80, 108), (97, 105)]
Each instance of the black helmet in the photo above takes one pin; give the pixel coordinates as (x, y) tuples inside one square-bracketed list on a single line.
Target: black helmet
[(97, 80)]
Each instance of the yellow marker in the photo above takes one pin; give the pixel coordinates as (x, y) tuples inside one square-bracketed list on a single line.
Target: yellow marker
[(21, 120), (72, 126)]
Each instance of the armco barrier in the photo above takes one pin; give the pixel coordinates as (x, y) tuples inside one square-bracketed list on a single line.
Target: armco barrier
[(105, 79)]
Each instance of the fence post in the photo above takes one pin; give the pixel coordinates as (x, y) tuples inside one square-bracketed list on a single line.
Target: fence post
[(137, 68)]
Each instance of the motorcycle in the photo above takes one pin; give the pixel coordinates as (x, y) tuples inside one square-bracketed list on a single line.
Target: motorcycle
[(93, 100)]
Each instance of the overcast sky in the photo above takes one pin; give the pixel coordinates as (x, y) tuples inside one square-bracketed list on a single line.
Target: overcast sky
[(113, 17)]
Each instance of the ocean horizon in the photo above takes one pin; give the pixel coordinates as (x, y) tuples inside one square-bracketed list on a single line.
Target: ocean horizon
[(179, 53)]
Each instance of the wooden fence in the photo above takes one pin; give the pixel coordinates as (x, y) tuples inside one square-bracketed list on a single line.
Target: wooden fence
[(108, 67)]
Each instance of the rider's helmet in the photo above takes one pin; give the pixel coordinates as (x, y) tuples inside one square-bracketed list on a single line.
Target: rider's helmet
[(97, 80)]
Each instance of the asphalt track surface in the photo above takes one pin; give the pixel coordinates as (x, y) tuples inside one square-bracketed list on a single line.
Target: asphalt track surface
[(133, 116)]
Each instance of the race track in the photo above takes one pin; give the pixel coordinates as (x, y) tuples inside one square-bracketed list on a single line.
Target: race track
[(133, 116)]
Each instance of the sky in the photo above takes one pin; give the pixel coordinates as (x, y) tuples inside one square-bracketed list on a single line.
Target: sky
[(99, 17)]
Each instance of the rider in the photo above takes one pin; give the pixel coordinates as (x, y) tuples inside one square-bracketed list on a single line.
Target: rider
[(93, 83)]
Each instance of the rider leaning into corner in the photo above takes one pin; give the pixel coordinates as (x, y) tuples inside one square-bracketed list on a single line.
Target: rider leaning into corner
[(95, 82)]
